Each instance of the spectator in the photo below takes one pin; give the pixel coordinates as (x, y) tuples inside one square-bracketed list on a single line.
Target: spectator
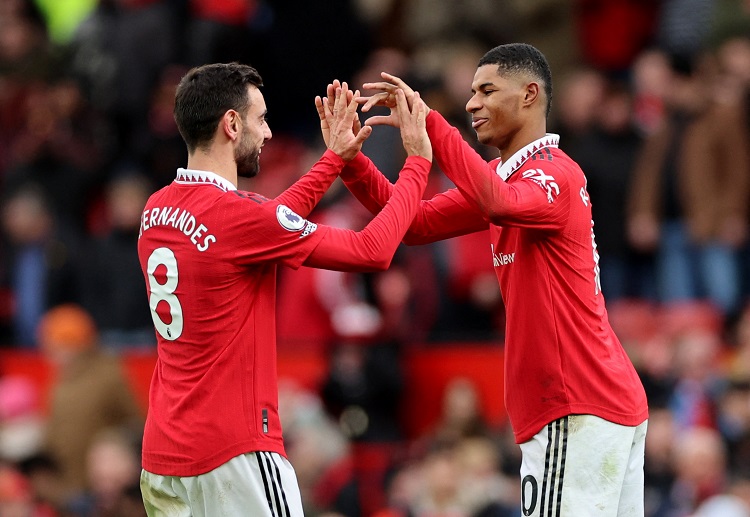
[(90, 394), (684, 26), (700, 461), (61, 145), (42, 260), (489, 492), (658, 465), (689, 197), (461, 413), (578, 99), (112, 469), (694, 396), (611, 33), (111, 279), (118, 52), (650, 78)]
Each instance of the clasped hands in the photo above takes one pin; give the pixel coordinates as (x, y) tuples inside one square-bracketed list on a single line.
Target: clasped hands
[(343, 132)]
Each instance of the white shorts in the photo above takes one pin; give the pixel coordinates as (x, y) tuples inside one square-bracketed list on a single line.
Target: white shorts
[(261, 484), (582, 465)]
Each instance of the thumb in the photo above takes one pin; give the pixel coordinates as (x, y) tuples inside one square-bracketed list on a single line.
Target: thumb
[(363, 134), (381, 120)]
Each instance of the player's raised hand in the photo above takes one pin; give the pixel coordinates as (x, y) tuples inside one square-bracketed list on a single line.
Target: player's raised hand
[(413, 125), (326, 115), (387, 97), (340, 119)]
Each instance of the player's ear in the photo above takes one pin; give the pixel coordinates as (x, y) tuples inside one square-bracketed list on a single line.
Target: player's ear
[(231, 124), (531, 93)]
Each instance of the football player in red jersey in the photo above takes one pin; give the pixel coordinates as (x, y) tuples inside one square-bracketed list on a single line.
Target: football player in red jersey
[(574, 399), (212, 442)]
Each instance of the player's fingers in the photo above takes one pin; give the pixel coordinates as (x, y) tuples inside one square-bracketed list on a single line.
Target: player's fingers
[(401, 105), (321, 109), (363, 134), (397, 81), (351, 109), (328, 110), (379, 99), (380, 120), (382, 85), (331, 91), (336, 102), (352, 103), (415, 103), (421, 111), (342, 93)]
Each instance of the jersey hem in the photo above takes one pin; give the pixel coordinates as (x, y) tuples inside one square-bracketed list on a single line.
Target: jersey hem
[(529, 431), (166, 467)]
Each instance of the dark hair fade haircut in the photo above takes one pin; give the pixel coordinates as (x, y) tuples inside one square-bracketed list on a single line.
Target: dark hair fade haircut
[(521, 58), (205, 93)]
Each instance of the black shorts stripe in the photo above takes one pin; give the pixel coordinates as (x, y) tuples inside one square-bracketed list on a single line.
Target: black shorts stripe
[(281, 488), (563, 453), (275, 485), (266, 487), (553, 475), (546, 469), (550, 504)]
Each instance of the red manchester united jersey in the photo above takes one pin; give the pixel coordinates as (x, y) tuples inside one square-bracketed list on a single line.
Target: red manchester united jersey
[(561, 355), (209, 254)]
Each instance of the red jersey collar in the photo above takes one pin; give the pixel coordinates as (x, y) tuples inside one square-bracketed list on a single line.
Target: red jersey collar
[(505, 170), (194, 177)]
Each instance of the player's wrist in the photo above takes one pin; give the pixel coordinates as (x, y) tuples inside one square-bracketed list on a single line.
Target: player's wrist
[(354, 167)]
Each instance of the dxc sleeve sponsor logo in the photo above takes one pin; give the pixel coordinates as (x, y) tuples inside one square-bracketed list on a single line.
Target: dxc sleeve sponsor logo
[(545, 181)]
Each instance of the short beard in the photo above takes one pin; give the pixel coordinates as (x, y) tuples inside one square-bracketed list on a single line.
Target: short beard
[(248, 164)]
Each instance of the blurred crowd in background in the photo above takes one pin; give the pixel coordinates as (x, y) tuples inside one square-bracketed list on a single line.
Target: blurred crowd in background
[(651, 97)]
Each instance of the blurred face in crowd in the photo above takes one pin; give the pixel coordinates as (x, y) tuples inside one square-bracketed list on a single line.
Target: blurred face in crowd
[(25, 219), (255, 133)]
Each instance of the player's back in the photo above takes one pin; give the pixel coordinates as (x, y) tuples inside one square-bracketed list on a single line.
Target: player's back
[(213, 394)]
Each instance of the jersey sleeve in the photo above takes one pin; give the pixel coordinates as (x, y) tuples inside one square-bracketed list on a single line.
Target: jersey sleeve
[(538, 199), (445, 215), (373, 247), (264, 230), (306, 192)]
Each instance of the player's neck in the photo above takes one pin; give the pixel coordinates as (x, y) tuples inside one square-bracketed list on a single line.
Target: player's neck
[(527, 134), (224, 166)]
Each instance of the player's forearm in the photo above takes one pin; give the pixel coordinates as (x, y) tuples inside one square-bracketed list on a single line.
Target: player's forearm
[(465, 167), (384, 233), (372, 249), (444, 216), (307, 192), (368, 185)]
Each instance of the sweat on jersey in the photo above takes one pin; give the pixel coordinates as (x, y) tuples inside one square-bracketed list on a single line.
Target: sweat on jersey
[(561, 354), (209, 255)]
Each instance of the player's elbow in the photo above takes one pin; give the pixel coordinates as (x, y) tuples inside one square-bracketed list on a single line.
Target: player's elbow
[(496, 215), (379, 261), (382, 263)]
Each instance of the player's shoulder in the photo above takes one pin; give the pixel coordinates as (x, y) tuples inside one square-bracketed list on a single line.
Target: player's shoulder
[(552, 161), (246, 195)]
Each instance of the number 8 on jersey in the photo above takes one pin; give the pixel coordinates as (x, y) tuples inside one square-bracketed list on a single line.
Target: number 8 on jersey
[(164, 292)]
